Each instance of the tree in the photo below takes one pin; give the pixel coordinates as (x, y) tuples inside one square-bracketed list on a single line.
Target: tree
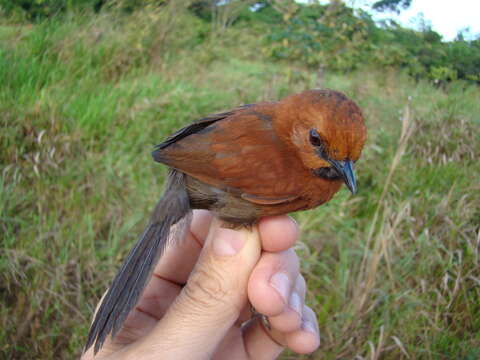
[(220, 13), (391, 5), (321, 36)]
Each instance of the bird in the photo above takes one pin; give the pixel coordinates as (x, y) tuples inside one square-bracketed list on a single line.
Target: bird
[(257, 160)]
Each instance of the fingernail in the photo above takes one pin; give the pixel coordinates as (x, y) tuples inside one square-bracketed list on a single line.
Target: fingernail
[(307, 325), (281, 283), (227, 242), (296, 303)]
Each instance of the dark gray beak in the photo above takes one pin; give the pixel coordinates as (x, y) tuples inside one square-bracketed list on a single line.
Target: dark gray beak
[(345, 169)]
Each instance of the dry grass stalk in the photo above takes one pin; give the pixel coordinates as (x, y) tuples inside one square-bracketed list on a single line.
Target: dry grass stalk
[(371, 259)]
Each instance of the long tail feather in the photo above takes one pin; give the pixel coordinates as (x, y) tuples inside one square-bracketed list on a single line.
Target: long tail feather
[(130, 281)]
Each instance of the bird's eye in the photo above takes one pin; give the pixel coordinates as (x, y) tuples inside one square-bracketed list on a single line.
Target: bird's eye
[(315, 138), (318, 143)]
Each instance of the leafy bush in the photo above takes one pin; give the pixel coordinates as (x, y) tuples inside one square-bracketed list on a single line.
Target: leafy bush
[(41, 9), (338, 38)]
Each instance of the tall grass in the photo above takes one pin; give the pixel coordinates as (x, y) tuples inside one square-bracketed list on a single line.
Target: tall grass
[(393, 273)]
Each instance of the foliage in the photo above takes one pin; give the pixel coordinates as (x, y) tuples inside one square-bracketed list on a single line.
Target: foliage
[(41, 9), (338, 38), (329, 35), (391, 5)]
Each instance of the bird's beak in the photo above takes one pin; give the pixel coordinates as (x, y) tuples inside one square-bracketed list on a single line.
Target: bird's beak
[(345, 169)]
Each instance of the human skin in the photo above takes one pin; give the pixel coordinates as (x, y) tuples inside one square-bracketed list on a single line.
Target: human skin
[(197, 304)]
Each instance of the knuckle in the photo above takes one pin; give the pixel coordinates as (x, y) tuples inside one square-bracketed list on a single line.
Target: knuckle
[(206, 288), (128, 334)]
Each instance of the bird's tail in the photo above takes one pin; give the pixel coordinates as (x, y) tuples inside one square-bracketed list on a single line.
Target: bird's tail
[(172, 209)]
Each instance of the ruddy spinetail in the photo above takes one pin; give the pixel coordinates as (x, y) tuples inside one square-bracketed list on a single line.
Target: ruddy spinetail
[(269, 158)]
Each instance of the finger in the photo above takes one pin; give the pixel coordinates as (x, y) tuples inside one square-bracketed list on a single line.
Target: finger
[(181, 255), (231, 347), (200, 226), (307, 339), (263, 343), (300, 289), (268, 229), (272, 281), (245, 315), (164, 286), (155, 301), (158, 297), (278, 233), (259, 342), (291, 318), (212, 299)]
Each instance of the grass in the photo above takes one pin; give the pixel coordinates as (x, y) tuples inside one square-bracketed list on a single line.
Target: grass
[(393, 273)]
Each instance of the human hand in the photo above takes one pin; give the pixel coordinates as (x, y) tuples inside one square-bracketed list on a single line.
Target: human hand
[(196, 306)]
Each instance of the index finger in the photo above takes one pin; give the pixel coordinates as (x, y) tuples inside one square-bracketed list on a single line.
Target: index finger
[(278, 233)]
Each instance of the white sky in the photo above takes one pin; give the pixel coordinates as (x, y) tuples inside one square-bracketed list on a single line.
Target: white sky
[(447, 17)]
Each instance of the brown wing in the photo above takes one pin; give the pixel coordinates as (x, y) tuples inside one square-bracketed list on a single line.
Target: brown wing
[(240, 152), (197, 126)]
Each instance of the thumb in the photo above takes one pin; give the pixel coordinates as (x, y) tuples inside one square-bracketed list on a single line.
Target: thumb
[(215, 294)]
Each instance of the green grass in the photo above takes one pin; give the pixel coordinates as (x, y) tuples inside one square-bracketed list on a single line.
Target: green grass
[(393, 273)]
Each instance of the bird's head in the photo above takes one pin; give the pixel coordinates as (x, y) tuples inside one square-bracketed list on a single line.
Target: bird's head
[(327, 130)]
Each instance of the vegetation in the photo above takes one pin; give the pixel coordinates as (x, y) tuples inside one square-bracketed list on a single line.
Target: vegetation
[(85, 93), (333, 36)]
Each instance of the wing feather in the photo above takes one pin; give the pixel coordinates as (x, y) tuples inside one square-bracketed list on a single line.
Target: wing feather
[(236, 151), (197, 126)]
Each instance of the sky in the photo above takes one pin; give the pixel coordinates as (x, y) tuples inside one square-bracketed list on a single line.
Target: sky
[(446, 17)]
